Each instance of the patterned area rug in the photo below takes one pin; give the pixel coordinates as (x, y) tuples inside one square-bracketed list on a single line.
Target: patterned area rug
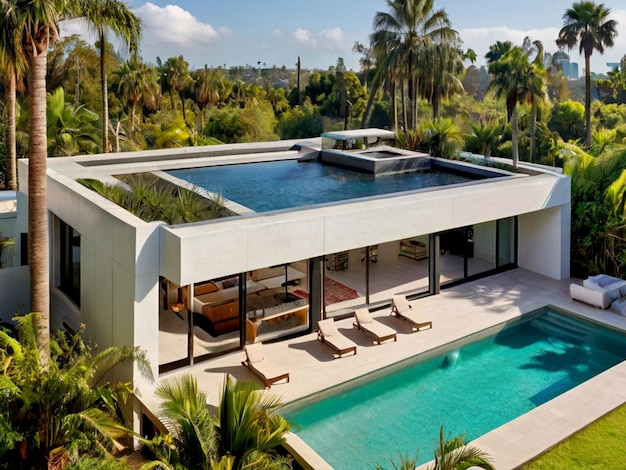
[(333, 292)]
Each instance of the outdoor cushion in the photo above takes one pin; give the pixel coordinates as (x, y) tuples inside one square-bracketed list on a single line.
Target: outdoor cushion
[(362, 316), (619, 305), (604, 283), (254, 352), (594, 297), (328, 328)]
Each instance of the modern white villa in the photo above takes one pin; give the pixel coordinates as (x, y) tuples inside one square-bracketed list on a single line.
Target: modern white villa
[(283, 261)]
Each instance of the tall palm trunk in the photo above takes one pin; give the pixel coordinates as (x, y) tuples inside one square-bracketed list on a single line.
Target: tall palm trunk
[(105, 97), (38, 255), (436, 100), (10, 100), (514, 134), (588, 140), (533, 131), (394, 105), (403, 98)]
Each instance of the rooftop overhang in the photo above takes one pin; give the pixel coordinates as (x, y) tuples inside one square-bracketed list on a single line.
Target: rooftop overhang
[(211, 249)]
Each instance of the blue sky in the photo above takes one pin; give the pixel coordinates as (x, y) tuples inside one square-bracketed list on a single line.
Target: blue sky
[(276, 32)]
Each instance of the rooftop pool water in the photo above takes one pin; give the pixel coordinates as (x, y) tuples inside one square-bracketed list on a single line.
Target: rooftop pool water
[(287, 184), (470, 389)]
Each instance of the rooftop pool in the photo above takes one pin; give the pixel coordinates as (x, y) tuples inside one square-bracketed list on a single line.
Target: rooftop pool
[(471, 387), (287, 184)]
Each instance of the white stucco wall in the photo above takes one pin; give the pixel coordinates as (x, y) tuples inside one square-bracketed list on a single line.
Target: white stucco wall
[(544, 242)]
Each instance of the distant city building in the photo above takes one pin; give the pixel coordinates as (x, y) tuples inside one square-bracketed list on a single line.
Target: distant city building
[(569, 69), (613, 65)]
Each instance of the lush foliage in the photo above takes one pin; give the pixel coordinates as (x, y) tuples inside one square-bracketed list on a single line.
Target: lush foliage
[(246, 433), (598, 197), (450, 454), (151, 198), (52, 414)]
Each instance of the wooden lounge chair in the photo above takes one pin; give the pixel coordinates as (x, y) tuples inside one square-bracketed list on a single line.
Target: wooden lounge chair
[(269, 371), (401, 308), (329, 334), (365, 322)]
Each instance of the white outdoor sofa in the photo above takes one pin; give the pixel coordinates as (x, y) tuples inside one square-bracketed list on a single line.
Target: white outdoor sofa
[(601, 291)]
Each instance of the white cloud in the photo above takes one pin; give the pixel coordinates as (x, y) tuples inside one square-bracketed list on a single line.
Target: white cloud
[(172, 25), (333, 38), (277, 32), (304, 36)]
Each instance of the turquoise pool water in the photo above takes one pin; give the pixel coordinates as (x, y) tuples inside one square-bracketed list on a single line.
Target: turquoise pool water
[(286, 184), (471, 389)]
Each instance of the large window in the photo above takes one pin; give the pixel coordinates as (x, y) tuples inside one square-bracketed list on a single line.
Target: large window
[(273, 302), (70, 262)]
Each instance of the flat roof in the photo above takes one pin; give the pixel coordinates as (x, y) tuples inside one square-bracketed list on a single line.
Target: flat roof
[(356, 133)]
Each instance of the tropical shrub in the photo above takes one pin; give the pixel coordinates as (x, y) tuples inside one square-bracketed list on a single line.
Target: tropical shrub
[(300, 122), (255, 122), (598, 218), (72, 129), (55, 413), (441, 137), (450, 454), (568, 119), (246, 433), (484, 138)]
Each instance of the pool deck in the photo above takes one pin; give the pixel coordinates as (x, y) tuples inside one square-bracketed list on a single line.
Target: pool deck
[(456, 313)]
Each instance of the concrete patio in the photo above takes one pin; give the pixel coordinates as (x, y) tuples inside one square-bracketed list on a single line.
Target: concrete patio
[(455, 313)]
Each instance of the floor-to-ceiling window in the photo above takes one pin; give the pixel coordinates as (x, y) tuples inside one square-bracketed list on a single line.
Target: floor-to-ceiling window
[(371, 275), (70, 262), (475, 250), (215, 316)]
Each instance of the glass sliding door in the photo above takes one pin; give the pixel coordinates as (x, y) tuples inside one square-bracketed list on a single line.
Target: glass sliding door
[(277, 301), (507, 241)]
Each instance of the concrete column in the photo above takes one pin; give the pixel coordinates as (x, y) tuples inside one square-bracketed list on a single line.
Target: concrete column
[(316, 290), (433, 264)]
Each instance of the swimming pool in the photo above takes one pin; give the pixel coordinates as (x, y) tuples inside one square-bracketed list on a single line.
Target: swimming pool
[(470, 388), (288, 183)]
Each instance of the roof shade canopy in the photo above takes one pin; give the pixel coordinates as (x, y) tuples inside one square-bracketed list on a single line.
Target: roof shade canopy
[(356, 139)]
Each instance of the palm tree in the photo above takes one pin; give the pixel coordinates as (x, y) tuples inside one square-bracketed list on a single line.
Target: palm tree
[(175, 77), (513, 78), (442, 65), (192, 426), (245, 433), (587, 24), (497, 50), (65, 403), (453, 453), (133, 83), (208, 86), (13, 65), (536, 93), (365, 61), (485, 136), (36, 27), (248, 425), (404, 31), (103, 16)]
